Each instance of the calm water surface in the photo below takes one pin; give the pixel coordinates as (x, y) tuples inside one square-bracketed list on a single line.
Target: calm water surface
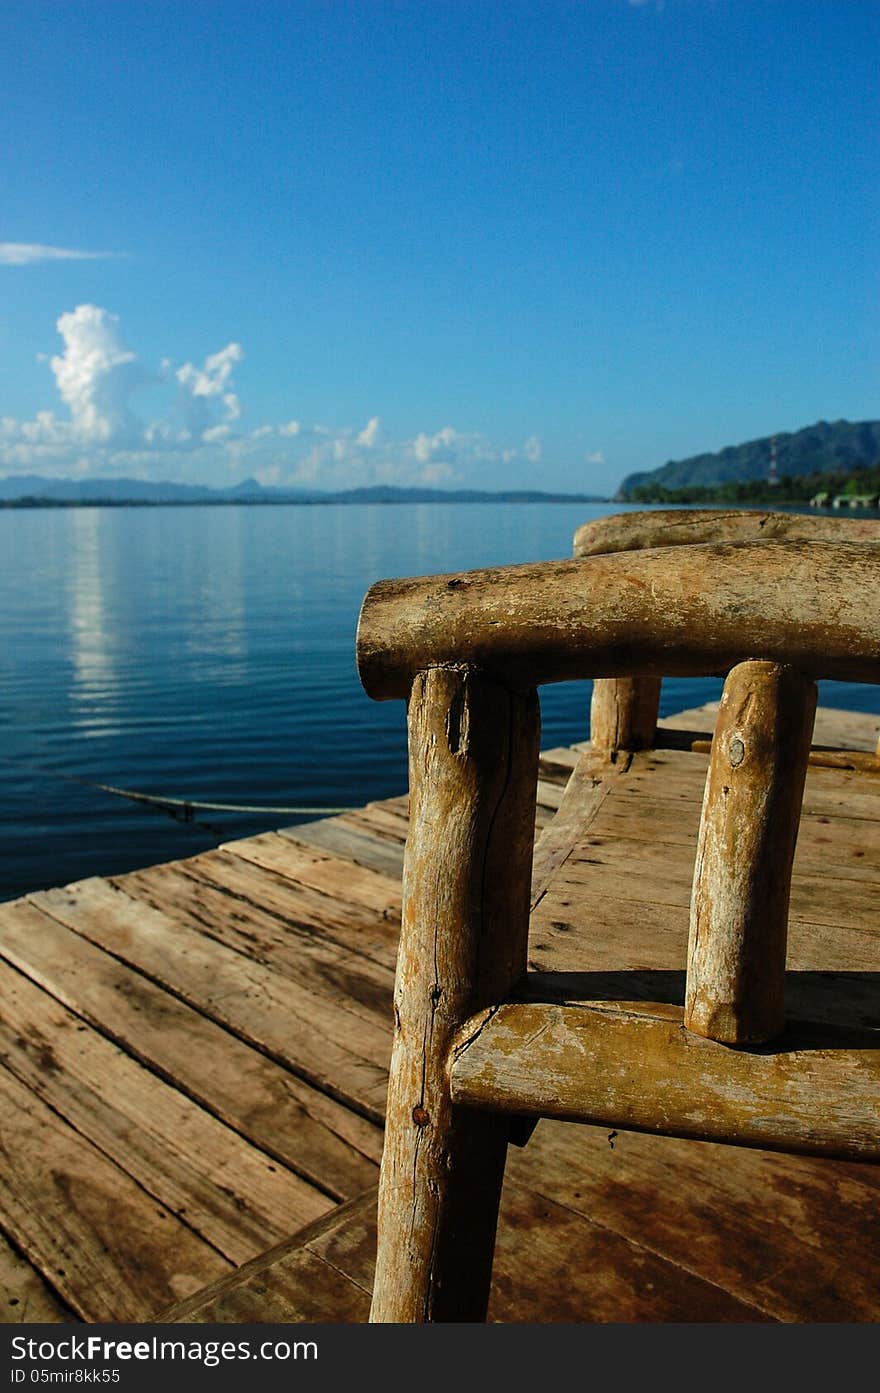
[(208, 654)]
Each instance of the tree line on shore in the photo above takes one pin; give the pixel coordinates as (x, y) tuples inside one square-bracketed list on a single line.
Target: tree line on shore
[(798, 488)]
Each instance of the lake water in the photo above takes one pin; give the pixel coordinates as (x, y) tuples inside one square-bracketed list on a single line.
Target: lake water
[(208, 654)]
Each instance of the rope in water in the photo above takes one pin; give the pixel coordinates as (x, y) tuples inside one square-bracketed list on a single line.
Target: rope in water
[(186, 805)]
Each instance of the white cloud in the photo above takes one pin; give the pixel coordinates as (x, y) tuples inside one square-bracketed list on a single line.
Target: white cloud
[(197, 435), (595, 457), (96, 374), (370, 433), (212, 378), (440, 446), (29, 253)]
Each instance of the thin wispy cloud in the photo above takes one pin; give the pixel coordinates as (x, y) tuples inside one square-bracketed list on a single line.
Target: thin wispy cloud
[(31, 253)]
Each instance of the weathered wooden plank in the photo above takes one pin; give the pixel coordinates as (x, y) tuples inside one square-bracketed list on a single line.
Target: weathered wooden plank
[(585, 792), (652, 874), (623, 949), (350, 842), (25, 1296), (828, 792), (632, 1065), (256, 891), (319, 1039), (307, 866), (554, 1264), (809, 604), (304, 1129), (558, 761), (69, 1207), (842, 846), (301, 1288), (280, 1285), (794, 1235), (220, 897), (819, 757), (381, 821), (834, 727), (235, 1197)]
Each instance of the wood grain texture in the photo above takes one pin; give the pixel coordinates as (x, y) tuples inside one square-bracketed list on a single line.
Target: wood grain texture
[(623, 713), (585, 792), (632, 1065), (220, 896), (687, 526), (793, 1236), (676, 611), (324, 1041), (69, 1207), (473, 769), (304, 1278), (745, 852), (304, 1129), (235, 1197), (26, 1298)]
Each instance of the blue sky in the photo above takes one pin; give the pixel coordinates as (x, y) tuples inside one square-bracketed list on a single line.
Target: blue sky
[(469, 244)]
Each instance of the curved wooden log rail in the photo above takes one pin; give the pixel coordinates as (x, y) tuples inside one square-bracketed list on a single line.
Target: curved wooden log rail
[(623, 711), (467, 652), (684, 612)]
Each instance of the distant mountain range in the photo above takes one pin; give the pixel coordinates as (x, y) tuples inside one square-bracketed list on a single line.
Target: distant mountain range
[(826, 447), (19, 489)]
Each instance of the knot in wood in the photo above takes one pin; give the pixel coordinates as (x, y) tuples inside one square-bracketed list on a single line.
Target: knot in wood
[(420, 1116), (736, 751)]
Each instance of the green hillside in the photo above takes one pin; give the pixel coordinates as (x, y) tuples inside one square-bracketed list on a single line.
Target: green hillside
[(828, 447)]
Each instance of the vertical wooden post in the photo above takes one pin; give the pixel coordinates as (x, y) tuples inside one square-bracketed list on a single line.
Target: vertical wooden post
[(473, 750), (623, 713), (745, 850)]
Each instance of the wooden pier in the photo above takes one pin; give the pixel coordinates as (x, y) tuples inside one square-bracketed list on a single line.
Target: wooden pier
[(194, 1062)]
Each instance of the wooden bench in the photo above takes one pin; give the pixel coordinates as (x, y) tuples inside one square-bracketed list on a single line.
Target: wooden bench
[(477, 1041)]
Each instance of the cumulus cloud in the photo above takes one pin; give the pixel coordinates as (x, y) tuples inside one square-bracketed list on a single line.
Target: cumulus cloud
[(29, 253), (199, 435), (370, 433), (96, 374)]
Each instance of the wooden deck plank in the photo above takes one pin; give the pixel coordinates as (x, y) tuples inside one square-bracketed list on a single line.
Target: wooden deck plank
[(770, 1228), (356, 929), (208, 973), (332, 1048), (848, 847), (580, 804), (662, 873), (828, 792), (26, 1298), (235, 1197), (218, 896), (552, 1263), (306, 866), (854, 730), (110, 1250), (270, 1287), (314, 1135), (350, 842), (382, 821)]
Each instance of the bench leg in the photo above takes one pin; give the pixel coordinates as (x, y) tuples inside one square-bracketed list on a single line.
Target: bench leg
[(473, 750)]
